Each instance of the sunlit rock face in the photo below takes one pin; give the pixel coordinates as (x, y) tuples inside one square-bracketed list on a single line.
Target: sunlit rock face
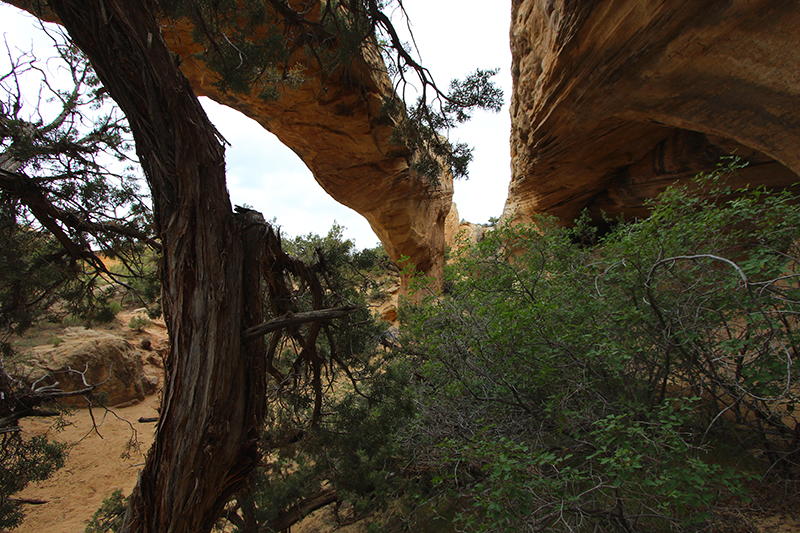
[(459, 233), (614, 100)]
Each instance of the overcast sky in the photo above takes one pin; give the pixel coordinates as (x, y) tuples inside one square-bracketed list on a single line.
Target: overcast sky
[(454, 38)]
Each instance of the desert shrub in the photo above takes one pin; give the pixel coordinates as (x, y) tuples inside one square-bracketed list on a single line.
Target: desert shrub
[(22, 461), (108, 518), (568, 382), (138, 323), (338, 399)]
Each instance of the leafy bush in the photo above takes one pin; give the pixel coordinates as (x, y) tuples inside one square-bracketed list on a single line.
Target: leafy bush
[(108, 518), (566, 386), (23, 461), (336, 401)]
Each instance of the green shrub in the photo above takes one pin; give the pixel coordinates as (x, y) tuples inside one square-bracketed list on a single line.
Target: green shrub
[(23, 461), (108, 518), (138, 323), (573, 383), (330, 426)]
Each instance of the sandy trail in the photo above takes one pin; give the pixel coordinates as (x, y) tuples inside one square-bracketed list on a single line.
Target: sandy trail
[(93, 470)]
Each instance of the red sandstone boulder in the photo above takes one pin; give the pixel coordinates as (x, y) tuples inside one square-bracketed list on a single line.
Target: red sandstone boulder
[(85, 356)]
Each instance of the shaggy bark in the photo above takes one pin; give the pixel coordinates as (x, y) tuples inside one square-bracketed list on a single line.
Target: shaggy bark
[(205, 446)]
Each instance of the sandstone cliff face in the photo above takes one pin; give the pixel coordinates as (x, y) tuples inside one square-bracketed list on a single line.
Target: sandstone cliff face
[(613, 101), (458, 233), (616, 99)]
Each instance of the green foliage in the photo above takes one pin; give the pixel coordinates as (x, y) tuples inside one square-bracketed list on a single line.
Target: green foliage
[(108, 518), (342, 439), (31, 268), (243, 41), (419, 127), (140, 273), (353, 450), (68, 187), (349, 273), (566, 386), (138, 323), (23, 461)]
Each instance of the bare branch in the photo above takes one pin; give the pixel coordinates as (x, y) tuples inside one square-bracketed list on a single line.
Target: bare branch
[(291, 319)]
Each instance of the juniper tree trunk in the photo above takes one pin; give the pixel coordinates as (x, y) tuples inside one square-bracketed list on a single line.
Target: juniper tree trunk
[(206, 442)]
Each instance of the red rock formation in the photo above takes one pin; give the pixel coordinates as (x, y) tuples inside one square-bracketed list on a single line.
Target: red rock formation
[(616, 99), (102, 357), (337, 129)]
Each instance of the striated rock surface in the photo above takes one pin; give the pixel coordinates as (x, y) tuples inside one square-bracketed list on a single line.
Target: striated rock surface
[(614, 100), (458, 233)]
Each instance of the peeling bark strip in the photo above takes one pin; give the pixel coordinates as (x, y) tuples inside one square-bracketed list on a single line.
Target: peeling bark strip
[(205, 447)]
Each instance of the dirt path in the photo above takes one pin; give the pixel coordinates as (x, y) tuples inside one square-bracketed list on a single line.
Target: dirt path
[(93, 470)]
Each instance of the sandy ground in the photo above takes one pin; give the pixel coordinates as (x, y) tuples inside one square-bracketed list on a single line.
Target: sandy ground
[(97, 463), (94, 469)]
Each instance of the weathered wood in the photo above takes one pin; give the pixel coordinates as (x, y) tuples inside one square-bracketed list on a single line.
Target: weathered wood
[(212, 412), (297, 512), (297, 319)]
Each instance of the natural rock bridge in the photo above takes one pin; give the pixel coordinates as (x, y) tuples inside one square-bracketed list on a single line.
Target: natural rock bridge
[(613, 101)]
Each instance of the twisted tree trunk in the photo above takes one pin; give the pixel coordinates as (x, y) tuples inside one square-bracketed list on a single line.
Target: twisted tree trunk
[(212, 410)]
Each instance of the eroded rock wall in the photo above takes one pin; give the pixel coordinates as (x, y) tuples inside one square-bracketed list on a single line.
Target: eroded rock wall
[(616, 99)]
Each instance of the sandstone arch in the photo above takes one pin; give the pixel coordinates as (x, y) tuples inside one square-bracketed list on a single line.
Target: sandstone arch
[(337, 129), (616, 99), (334, 124)]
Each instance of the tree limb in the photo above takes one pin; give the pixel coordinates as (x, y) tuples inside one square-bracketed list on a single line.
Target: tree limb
[(298, 512), (27, 501), (27, 190), (291, 319), (14, 417)]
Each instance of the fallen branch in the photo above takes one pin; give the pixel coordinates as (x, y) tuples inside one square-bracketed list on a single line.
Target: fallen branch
[(27, 501)]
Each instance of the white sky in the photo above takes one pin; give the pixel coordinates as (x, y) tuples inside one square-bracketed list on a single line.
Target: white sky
[(454, 38)]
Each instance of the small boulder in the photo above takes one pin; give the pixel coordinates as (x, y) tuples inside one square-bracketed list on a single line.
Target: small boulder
[(151, 379), (94, 357)]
